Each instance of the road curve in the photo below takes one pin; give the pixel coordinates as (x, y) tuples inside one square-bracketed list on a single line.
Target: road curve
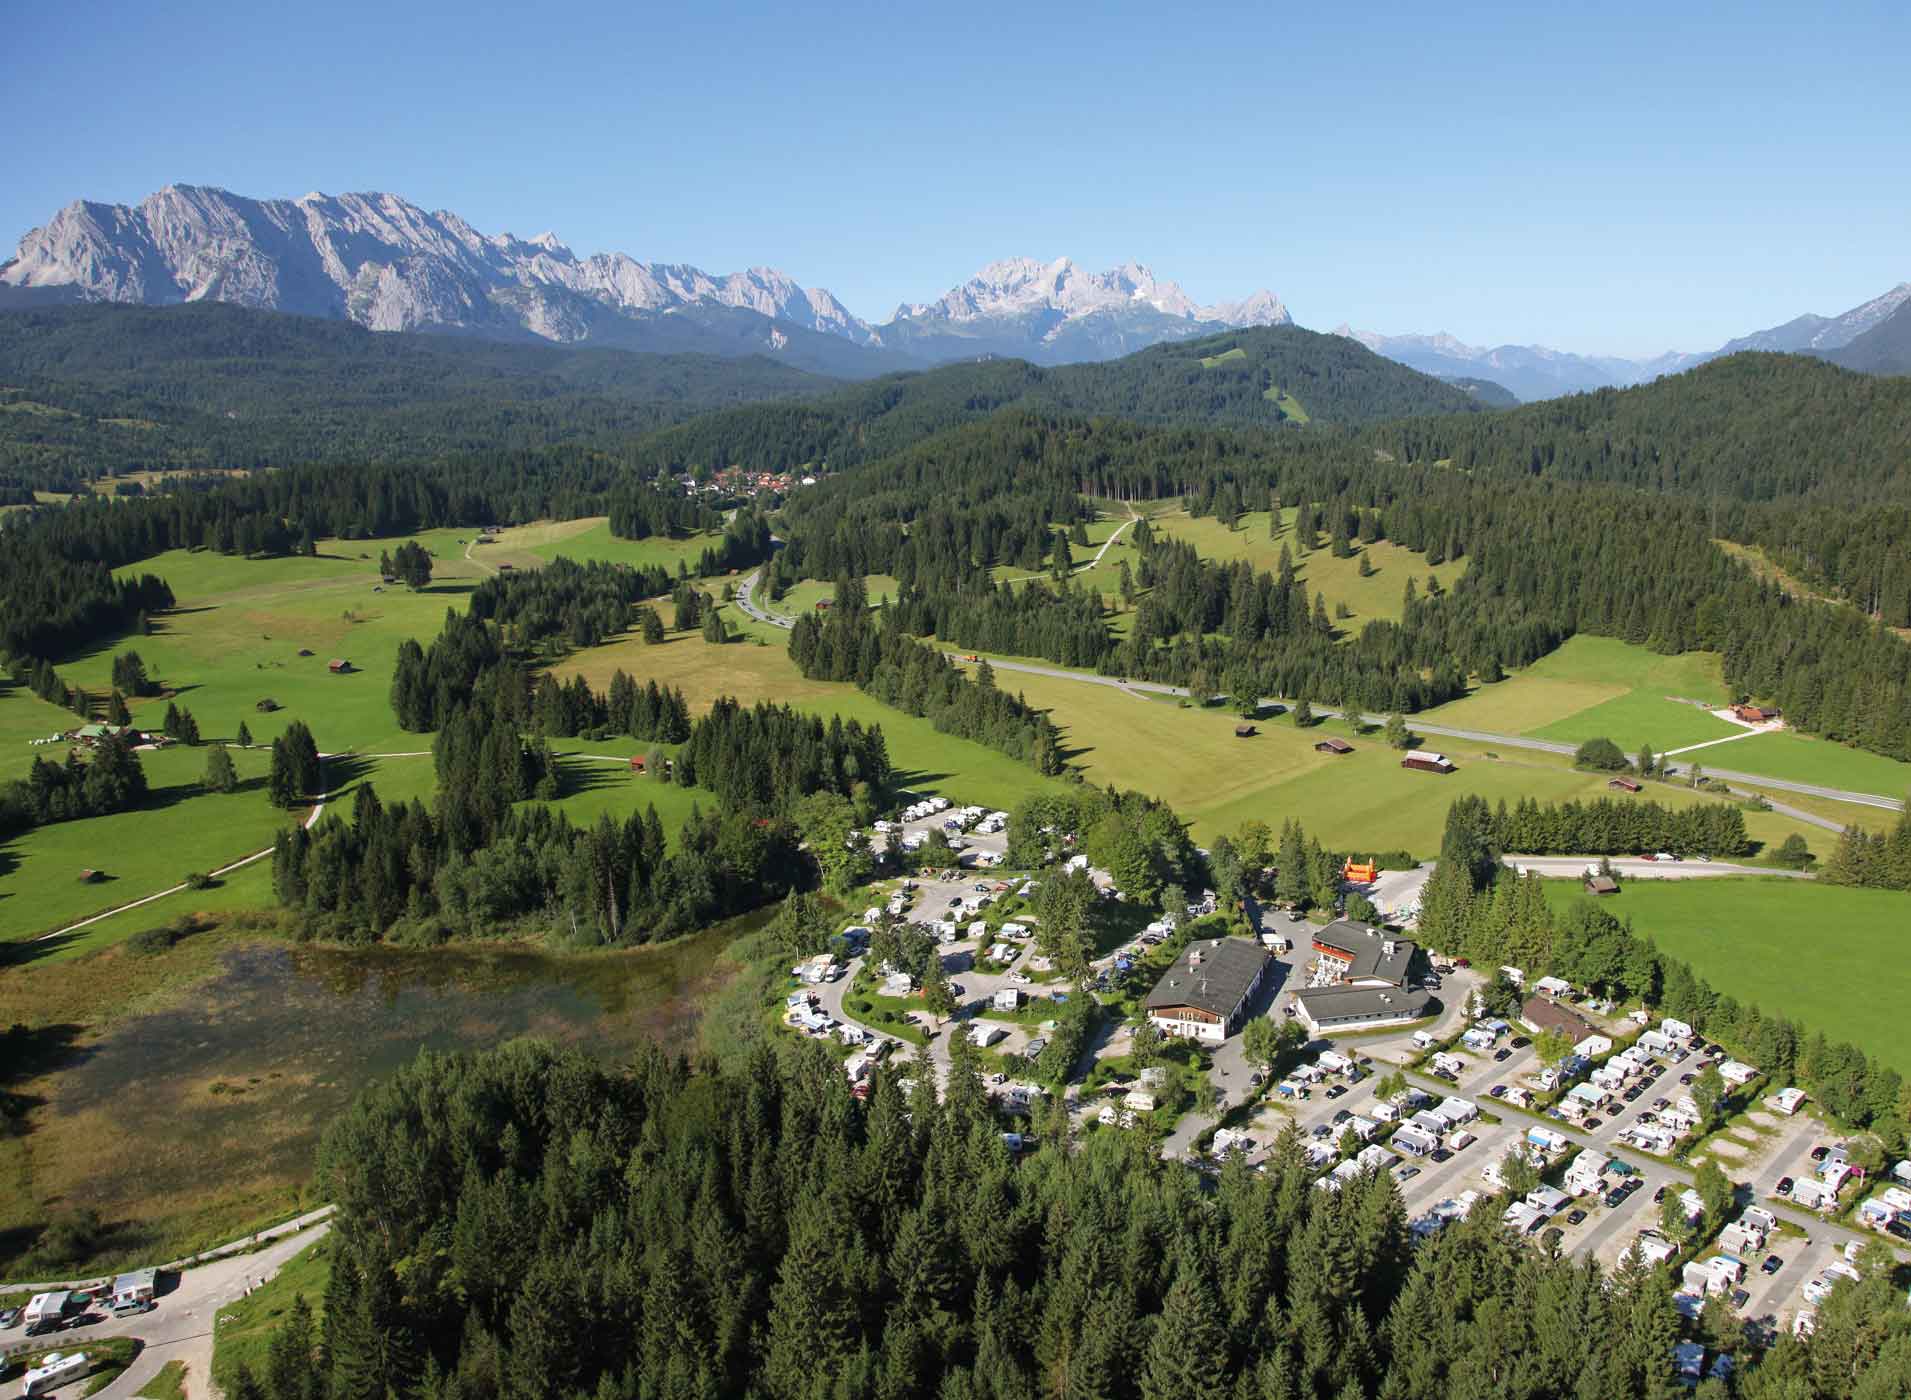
[(1510, 741)]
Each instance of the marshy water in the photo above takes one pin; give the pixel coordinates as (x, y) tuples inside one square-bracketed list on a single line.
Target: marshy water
[(228, 1092)]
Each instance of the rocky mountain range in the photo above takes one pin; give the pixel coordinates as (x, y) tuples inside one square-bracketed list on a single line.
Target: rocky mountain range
[(1057, 313), (1536, 372), (387, 264)]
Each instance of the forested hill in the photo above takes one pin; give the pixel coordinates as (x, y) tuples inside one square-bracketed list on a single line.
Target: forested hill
[(91, 389), (1751, 427), (1267, 377)]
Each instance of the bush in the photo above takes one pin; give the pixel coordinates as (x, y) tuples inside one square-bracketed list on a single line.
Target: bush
[(1793, 853), (157, 940), (199, 880), (1600, 754)]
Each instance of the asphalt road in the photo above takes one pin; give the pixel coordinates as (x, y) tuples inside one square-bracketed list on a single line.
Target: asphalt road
[(747, 603), (1633, 869), (1511, 741), (181, 1327)]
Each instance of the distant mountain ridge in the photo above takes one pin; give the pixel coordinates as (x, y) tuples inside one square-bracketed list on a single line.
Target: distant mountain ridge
[(1535, 372), (1056, 313), (387, 264)]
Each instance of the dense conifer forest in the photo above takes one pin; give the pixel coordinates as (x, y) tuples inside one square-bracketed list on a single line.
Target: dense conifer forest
[(526, 1223), (102, 390)]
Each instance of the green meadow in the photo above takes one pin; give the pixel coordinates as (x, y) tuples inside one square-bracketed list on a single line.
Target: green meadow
[(1795, 947)]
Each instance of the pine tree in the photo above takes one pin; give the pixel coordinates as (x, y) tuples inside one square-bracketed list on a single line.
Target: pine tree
[(1185, 1354), (244, 736), (221, 776)]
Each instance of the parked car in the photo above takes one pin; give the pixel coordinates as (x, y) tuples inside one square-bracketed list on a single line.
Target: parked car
[(1784, 1187), (1321, 1130), (1592, 1123), (1631, 1095), (1502, 1055), (1631, 1184), (1498, 1091), (1615, 1198), (10, 1317), (1820, 1152), (1406, 1174), (1687, 1077), (1440, 1154), (1336, 1091), (1771, 1265), (1576, 1217), (1520, 1042), (1341, 1117), (1659, 1195)]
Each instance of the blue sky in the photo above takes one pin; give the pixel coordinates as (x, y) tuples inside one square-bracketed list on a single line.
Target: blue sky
[(1627, 179)]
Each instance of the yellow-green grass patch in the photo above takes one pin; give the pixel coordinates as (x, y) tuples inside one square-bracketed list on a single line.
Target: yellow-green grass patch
[(586, 539), (169, 1383), (1586, 672), (1800, 758), (1746, 936), (1338, 580), (1644, 717), (1363, 801)]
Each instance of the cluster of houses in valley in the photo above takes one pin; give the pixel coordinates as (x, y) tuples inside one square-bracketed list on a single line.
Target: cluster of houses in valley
[(739, 481)]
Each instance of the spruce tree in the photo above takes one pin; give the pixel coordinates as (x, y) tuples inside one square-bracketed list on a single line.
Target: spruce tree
[(221, 776)]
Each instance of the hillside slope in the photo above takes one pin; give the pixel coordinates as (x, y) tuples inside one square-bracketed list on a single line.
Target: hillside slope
[(1884, 349), (1266, 377), (1750, 427), (104, 388)]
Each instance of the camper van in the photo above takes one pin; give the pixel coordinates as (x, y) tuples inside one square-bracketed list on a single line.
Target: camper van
[(54, 1371), (46, 1311)]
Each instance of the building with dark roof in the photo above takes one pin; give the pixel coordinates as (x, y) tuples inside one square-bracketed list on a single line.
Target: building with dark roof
[(1361, 955), (1206, 992), (1326, 1009), (1601, 884), (1360, 979)]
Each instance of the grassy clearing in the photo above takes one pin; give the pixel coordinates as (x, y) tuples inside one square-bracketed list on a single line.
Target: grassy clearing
[(1338, 580), (925, 758), (590, 538), (243, 1336), (168, 1384), (1800, 758), (1794, 947), (1362, 801), (1554, 696), (1665, 724), (804, 596)]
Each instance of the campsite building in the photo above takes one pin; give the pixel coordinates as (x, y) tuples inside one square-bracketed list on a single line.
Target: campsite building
[(1360, 980), (1205, 993)]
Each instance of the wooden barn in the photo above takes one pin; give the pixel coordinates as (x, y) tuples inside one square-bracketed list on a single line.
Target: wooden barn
[(1427, 761)]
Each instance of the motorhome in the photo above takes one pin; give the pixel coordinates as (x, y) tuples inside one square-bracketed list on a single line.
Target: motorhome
[(55, 1370)]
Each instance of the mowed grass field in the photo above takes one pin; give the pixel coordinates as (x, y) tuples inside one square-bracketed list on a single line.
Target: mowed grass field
[(1599, 687), (586, 539), (1362, 801), (1795, 947), (1803, 759), (928, 760), (1338, 580), (1620, 687)]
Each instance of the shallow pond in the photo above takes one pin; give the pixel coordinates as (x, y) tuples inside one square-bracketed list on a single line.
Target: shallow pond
[(229, 1091)]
